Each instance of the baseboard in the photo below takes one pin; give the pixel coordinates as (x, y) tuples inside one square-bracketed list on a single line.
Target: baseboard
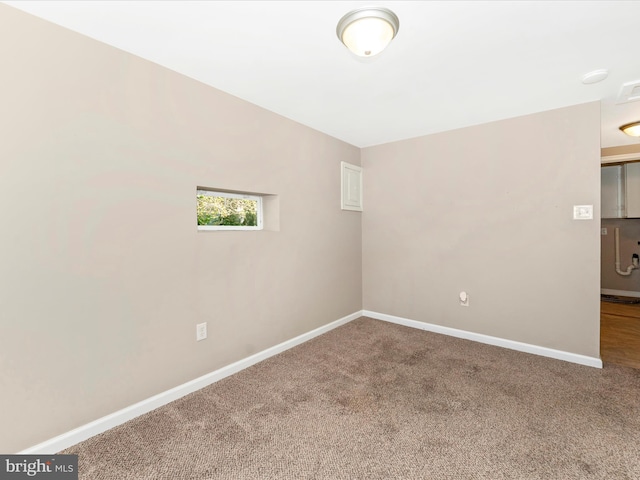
[(500, 342), (621, 293), (107, 422)]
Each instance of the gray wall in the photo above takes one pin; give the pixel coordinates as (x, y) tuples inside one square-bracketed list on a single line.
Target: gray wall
[(488, 209), (629, 238), (104, 275)]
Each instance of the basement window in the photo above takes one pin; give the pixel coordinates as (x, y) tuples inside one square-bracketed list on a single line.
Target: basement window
[(218, 210)]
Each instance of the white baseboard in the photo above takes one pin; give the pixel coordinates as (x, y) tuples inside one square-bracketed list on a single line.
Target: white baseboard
[(107, 422), (478, 337), (621, 293)]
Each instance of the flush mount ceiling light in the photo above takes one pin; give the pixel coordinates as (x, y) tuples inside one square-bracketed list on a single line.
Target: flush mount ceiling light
[(367, 31), (631, 129)]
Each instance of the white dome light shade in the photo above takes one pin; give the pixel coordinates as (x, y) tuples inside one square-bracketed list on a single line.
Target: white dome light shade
[(631, 129), (367, 31), (368, 36)]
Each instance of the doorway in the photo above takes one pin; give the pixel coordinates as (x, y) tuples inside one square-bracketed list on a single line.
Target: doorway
[(620, 279)]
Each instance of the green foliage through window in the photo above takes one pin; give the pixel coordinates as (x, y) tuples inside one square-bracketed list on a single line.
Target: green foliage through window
[(221, 209)]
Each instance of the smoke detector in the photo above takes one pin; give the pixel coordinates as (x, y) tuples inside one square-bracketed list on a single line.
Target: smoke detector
[(595, 76)]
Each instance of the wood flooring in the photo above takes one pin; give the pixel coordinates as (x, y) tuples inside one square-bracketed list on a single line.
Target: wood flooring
[(620, 334)]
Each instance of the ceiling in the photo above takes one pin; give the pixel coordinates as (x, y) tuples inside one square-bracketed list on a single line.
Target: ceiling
[(452, 64)]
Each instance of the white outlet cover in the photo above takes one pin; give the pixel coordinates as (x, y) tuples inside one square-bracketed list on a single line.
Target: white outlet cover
[(464, 299), (583, 212), (201, 331)]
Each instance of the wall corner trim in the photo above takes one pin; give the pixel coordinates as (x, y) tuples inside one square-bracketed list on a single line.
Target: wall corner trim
[(620, 293), (479, 337), (107, 422), (625, 157)]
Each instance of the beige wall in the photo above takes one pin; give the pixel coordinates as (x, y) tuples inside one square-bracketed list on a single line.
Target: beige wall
[(488, 209), (629, 238), (104, 275), (621, 150)]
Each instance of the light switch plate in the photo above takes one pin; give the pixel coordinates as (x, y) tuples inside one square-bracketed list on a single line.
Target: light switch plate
[(583, 212)]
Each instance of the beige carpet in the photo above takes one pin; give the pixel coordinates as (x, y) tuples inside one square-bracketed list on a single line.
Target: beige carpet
[(373, 400)]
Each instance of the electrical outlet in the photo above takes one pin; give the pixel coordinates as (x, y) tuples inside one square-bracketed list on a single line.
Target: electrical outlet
[(201, 331), (603, 231), (464, 299)]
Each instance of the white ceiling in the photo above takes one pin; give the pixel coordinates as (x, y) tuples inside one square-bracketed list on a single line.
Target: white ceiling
[(453, 64)]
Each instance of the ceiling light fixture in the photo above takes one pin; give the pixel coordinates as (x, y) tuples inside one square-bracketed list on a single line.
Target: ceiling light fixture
[(367, 31), (631, 129)]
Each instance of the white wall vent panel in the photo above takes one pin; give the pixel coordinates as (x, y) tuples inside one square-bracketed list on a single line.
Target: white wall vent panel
[(629, 92), (351, 187)]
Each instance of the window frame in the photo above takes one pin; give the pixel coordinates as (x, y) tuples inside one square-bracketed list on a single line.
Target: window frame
[(244, 196)]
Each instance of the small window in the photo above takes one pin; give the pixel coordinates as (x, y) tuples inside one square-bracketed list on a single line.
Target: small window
[(228, 211)]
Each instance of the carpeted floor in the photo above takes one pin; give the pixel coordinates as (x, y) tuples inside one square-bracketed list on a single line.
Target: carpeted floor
[(374, 400)]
